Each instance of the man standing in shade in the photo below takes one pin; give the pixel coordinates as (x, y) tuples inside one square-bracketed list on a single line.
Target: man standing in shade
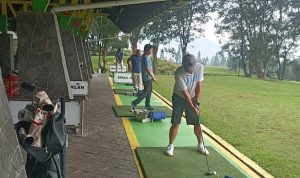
[(148, 77), (186, 96), (135, 63), (119, 59)]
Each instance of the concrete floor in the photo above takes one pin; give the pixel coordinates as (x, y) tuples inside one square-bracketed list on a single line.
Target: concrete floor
[(105, 150)]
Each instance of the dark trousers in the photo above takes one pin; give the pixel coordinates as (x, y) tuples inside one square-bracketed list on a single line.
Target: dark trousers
[(145, 94)]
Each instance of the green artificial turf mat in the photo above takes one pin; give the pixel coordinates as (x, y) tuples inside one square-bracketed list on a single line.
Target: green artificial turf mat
[(186, 162), (124, 111), (122, 91)]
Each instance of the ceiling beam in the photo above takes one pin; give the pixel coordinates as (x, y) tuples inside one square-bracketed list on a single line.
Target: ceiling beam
[(3, 7), (102, 5), (28, 2), (12, 10)]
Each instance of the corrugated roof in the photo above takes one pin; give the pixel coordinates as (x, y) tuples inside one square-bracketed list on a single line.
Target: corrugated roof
[(131, 16), (127, 17)]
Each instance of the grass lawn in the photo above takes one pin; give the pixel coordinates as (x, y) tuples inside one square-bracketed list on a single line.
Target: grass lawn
[(216, 71), (260, 118), (110, 60)]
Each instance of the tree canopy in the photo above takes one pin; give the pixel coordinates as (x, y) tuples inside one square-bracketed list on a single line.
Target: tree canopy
[(263, 33), (188, 22), (106, 32)]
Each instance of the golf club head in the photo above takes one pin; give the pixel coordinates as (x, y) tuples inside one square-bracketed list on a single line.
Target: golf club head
[(211, 173), (29, 86)]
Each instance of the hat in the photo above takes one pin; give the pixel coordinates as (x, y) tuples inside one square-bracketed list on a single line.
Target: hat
[(189, 63)]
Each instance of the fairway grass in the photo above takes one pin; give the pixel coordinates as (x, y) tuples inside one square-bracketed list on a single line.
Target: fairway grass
[(260, 118), (109, 60)]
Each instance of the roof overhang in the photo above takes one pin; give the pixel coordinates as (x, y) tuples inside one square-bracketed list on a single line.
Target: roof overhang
[(127, 14)]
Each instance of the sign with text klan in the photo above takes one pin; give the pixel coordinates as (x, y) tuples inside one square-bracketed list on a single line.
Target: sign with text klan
[(122, 78), (79, 88)]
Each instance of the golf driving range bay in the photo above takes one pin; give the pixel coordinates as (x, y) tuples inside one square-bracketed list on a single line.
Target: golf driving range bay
[(150, 140), (259, 118)]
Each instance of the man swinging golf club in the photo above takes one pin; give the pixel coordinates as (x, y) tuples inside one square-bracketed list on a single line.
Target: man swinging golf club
[(186, 95)]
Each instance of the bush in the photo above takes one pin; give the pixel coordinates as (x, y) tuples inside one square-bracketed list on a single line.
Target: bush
[(165, 67)]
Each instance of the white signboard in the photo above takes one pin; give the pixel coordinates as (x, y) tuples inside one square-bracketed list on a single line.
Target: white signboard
[(112, 68), (122, 78), (79, 88)]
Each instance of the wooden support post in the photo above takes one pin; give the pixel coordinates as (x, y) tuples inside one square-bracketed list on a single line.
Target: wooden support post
[(3, 17)]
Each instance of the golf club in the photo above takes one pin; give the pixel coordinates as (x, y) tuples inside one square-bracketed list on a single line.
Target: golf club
[(209, 171)]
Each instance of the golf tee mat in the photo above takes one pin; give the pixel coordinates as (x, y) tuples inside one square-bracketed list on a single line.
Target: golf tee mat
[(186, 162), (149, 141)]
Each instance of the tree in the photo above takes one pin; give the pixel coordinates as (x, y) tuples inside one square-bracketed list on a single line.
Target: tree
[(215, 61), (296, 70), (287, 32), (93, 43), (118, 43), (134, 37), (172, 52), (233, 62), (178, 56), (162, 54), (261, 31), (106, 31), (222, 58), (231, 17), (205, 60), (199, 57), (157, 32), (187, 22), (293, 70)]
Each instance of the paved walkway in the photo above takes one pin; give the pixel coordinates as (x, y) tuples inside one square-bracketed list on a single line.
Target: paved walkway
[(105, 150)]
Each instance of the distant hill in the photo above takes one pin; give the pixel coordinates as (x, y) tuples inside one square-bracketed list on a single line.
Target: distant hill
[(207, 48)]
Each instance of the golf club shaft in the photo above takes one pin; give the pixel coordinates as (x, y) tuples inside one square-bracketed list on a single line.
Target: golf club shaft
[(201, 132)]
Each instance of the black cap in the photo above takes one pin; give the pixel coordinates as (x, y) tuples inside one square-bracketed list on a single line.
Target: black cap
[(188, 61)]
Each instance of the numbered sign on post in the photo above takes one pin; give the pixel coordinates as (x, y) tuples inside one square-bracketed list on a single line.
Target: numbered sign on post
[(123, 78), (112, 68)]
